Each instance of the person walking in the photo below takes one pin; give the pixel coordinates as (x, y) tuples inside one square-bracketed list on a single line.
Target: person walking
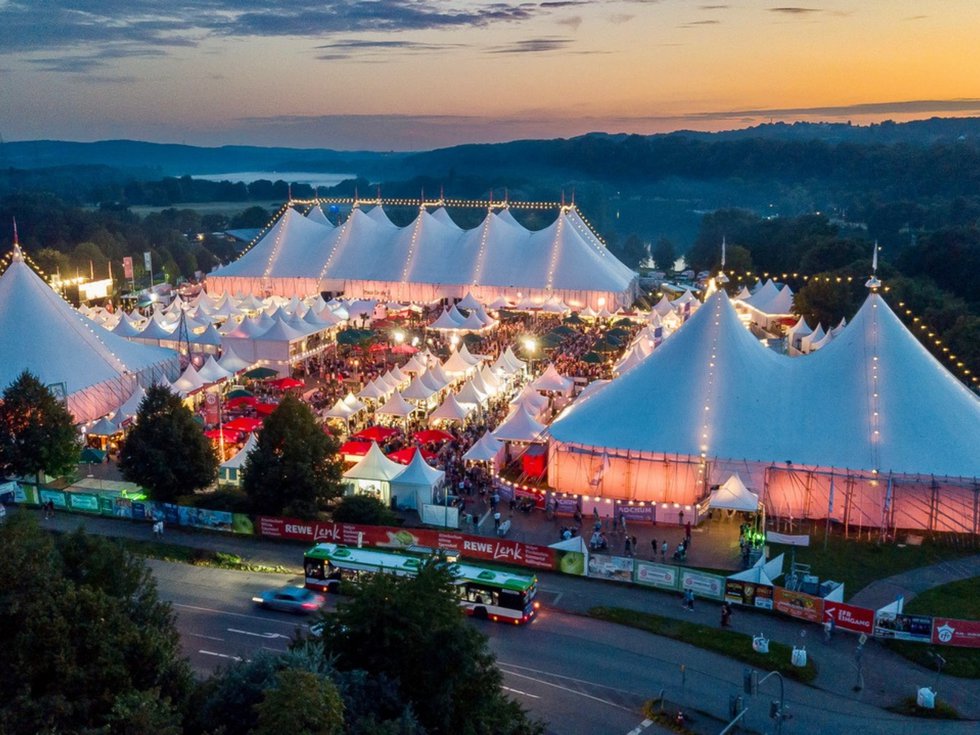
[(496, 520), (726, 614), (654, 547), (663, 551), (628, 547), (688, 603)]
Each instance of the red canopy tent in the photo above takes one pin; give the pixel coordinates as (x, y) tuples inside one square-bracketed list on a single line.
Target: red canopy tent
[(241, 401), (265, 408), (377, 433), (243, 423), (404, 349), (215, 435), (433, 435), (286, 383), (354, 448), (405, 456)]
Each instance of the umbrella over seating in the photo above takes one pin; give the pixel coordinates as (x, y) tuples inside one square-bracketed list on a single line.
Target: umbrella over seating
[(261, 373), (241, 401), (355, 448), (377, 433), (265, 408), (222, 434), (404, 456), (243, 423), (286, 383), (427, 436), (240, 393)]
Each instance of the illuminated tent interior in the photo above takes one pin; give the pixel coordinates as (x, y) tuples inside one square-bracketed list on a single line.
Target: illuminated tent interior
[(430, 259), (873, 412)]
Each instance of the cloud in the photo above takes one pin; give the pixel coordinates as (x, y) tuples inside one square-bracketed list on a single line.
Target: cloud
[(713, 7), (532, 46), (84, 63), (695, 23), (80, 24), (619, 18), (369, 49), (572, 22), (795, 10)]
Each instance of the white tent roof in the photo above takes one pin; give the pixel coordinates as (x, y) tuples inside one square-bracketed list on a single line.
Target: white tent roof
[(733, 495), (340, 410), (513, 359), (131, 407), (520, 426), (418, 472), (446, 321), (352, 401), (41, 332), (430, 379), (485, 449), (472, 359), (238, 460), (316, 215), (209, 336), (188, 382), (104, 427), (232, 362), (470, 394), (762, 405), (468, 302), (551, 380), (212, 372), (373, 390), (375, 466), (456, 364), (396, 406), (449, 410), (772, 300), (417, 390)]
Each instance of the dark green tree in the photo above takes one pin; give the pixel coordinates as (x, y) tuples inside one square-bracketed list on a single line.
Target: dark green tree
[(411, 631), (294, 468), (363, 509), (664, 254), (87, 644), (300, 703), (166, 452), (37, 432)]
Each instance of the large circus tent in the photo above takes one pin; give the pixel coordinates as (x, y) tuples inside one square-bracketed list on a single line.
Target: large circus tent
[(871, 431), (432, 258), (42, 333)]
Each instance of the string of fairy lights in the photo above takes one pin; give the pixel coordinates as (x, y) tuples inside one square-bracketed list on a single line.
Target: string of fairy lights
[(555, 252), (918, 326)]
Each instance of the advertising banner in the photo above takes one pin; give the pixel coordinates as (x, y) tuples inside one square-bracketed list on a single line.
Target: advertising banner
[(570, 562), (128, 268), (637, 513), (55, 496), (565, 506), (147, 261), (663, 576), (616, 568), (798, 605), (522, 494), (214, 520), (211, 408), (350, 534), (850, 617), (750, 594), (952, 632), (901, 627), (107, 505), (85, 502), (703, 585)]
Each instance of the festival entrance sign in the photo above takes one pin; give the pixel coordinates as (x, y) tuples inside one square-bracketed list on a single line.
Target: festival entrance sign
[(850, 617)]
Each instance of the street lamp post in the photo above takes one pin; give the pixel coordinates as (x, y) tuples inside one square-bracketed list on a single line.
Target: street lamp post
[(530, 346)]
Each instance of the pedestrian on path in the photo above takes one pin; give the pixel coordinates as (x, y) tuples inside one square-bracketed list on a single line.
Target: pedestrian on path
[(653, 545), (726, 614), (663, 551), (688, 603), (628, 547), (496, 520)]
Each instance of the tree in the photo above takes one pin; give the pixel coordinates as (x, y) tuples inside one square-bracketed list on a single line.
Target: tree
[(300, 703), (166, 452), (664, 254), (37, 432), (411, 631), (294, 468), (87, 644), (363, 509)]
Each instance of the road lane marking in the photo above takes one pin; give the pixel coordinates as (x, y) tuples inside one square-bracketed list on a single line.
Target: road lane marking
[(567, 678), (220, 655), (518, 691), (268, 621), (576, 692), (640, 728), (267, 636), (208, 637)]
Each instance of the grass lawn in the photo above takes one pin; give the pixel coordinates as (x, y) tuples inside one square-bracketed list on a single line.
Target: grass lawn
[(726, 642), (956, 600), (858, 563)]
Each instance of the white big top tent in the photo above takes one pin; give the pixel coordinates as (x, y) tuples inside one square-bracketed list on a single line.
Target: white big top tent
[(711, 400), (42, 333)]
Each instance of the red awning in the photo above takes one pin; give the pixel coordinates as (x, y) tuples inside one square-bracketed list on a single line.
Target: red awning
[(241, 401), (230, 437), (266, 408), (404, 456), (286, 383), (355, 448), (243, 423)]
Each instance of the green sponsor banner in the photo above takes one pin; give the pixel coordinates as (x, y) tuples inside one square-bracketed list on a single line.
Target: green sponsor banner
[(55, 496), (84, 502), (107, 505), (241, 523), (663, 576)]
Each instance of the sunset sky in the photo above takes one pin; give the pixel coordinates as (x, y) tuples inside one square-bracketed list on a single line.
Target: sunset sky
[(416, 74)]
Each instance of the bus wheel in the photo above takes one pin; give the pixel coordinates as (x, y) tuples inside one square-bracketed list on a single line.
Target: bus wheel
[(480, 612)]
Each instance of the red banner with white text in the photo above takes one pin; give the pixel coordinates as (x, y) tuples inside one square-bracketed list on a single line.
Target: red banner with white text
[(850, 617), (350, 534), (952, 632)]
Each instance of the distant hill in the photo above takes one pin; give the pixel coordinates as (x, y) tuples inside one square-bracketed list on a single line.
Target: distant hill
[(167, 159)]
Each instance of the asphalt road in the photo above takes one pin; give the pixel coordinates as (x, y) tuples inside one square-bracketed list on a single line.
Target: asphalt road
[(549, 667)]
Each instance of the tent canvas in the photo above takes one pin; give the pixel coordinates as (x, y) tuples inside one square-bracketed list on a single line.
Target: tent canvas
[(414, 487), (733, 495)]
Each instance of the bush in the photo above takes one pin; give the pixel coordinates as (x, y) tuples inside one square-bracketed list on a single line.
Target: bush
[(363, 509)]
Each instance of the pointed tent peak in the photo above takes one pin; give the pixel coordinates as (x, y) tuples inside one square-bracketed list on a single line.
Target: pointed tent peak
[(420, 472), (468, 302), (375, 466)]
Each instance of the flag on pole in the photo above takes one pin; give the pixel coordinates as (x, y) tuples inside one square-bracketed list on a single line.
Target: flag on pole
[(600, 473), (16, 241), (830, 504), (888, 496), (874, 259)]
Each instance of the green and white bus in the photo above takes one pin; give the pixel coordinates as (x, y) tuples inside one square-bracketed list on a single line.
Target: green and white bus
[(483, 592)]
